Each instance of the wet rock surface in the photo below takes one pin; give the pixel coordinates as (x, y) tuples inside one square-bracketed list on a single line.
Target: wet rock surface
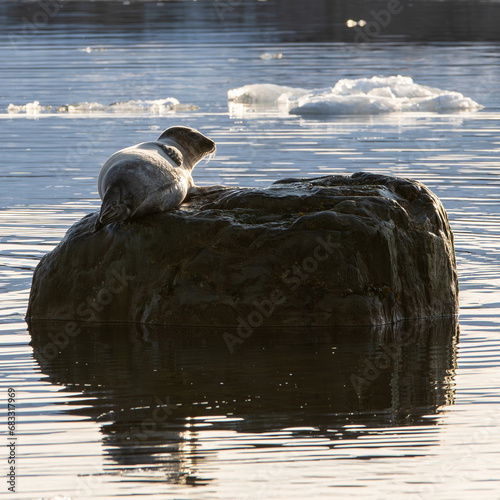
[(364, 249)]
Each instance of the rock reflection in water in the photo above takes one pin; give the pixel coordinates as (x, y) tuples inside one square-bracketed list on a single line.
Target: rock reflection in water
[(152, 388)]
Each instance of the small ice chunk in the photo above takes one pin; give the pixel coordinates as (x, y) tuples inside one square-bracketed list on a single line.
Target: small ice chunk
[(82, 107), (350, 23), (157, 106), (270, 55), (264, 93), (30, 108), (88, 50)]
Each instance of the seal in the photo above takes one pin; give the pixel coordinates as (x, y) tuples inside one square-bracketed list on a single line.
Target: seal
[(151, 177)]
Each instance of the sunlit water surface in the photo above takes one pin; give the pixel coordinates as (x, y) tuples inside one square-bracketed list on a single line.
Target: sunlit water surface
[(280, 417)]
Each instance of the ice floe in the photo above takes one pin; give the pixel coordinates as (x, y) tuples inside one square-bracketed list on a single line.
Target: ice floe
[(158, 106), (367, 96), (264, 93), (266, 56), (88, 50)]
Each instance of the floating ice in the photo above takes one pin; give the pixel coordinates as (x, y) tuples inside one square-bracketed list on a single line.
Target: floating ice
[(135, 106), (368, 96), (158, 106), (381, 95), (350, 23), (30, 108), (271, 55), (264, 93), (91, 49)]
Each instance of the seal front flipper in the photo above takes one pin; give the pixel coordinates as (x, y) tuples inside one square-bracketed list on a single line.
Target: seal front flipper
[(113, 209), (208, 191)]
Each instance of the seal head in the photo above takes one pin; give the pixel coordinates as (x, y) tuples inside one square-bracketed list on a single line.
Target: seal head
[(193, 145), (150, 177)]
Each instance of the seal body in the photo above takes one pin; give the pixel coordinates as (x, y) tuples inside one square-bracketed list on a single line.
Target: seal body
[(150, 177)]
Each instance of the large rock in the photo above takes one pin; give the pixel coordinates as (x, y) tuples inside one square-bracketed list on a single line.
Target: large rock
[(336, 250)]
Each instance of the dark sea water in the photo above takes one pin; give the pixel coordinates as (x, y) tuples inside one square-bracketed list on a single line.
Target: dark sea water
[(410, 411)]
